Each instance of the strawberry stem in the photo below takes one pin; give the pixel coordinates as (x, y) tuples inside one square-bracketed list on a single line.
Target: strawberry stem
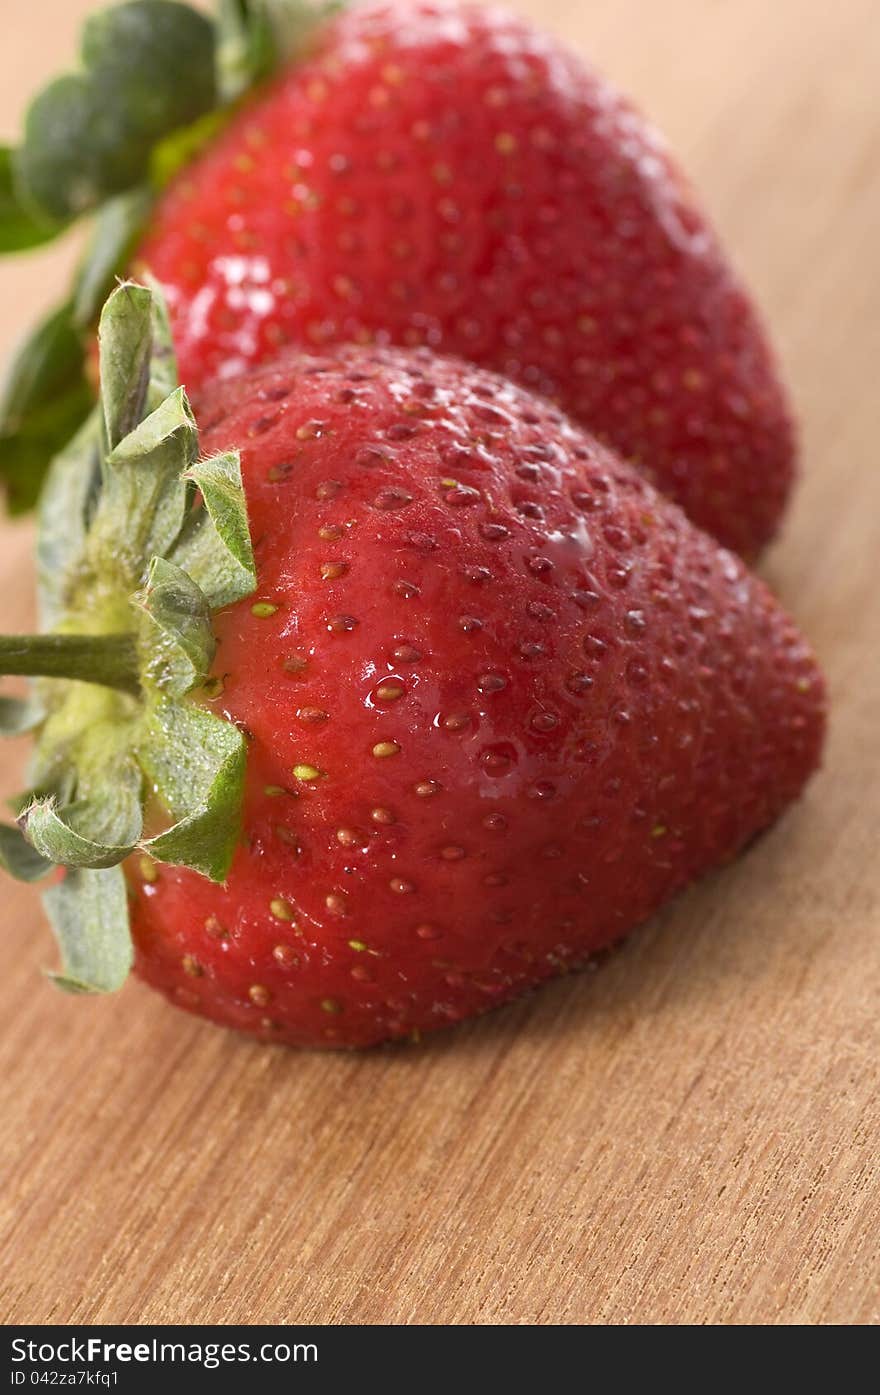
[(109, 660)]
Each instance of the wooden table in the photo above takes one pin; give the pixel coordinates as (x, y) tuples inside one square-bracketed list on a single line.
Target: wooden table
[(689, 1135)]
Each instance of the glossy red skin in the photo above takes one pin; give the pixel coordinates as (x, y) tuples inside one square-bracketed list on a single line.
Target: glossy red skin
[(447, 175), (659, 707)]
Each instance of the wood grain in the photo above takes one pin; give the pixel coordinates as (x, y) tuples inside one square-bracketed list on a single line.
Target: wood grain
[(690, 1134)]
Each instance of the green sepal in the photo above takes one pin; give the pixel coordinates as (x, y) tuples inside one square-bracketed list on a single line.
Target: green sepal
[(18, 715), (145, 485), (98, 831), (159, 81), (18, 858), (44, 366), (182, 147), (125, 341), (141, 542), (66, 507), (73, 490), (117, 227), (226, 573), (246, 46), (46, 397), (148, 68), (181, 643), (144, 445), (20, 228), (138, 365), (55, 835), (60, 790), (197, 762), (295, 23), (163, 360), (88, 910)]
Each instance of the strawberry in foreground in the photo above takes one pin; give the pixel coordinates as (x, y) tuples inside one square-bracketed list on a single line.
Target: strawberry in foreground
[(499, 700), (444, 174)]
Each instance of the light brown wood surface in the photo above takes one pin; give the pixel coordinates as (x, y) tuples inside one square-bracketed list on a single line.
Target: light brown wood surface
[(689, 1134)]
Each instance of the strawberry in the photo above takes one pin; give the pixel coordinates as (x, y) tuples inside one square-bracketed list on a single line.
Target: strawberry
[(443, 174), (500, 699)]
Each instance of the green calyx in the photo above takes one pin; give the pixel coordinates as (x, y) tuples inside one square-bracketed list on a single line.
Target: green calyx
[(140, 542), (158, 79)]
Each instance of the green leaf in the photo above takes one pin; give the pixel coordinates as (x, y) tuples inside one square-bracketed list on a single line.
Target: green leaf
[(148, 69), (113, 239), (125, 338), (180, 643), (18, 858), (98, 831), (19, 227), (18, 715), (215, 546), (89, 914), (44, 400), (197, 763)]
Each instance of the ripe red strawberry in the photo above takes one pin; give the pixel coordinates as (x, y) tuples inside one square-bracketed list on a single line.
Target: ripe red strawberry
[(447, 175), (501, 700), (444, 174), (526, 701)]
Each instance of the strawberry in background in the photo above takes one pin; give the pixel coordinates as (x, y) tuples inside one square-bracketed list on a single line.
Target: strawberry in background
[(428, 173)]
